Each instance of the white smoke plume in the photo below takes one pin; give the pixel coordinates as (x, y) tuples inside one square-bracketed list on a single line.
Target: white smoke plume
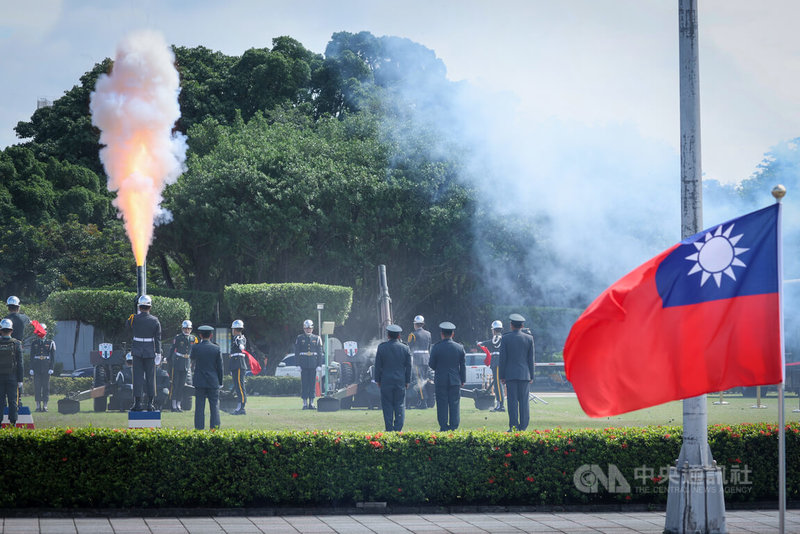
[(135, 107)]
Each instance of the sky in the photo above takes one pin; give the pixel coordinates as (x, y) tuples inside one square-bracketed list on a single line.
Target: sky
[(592, 64)]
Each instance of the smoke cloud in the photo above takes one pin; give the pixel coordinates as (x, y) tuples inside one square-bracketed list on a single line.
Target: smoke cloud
[(135, 108)]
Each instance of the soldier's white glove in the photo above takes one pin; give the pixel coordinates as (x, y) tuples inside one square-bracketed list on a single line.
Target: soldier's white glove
[(158, 359), (19, 384), (49, 371), (31, 372)]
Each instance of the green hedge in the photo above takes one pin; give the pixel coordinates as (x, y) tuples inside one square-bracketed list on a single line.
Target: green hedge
[(269, 385), (288, 304), (94, 467), (60, 385), (108, 310)]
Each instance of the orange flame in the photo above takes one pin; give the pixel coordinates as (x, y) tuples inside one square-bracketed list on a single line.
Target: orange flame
[(135, 107)]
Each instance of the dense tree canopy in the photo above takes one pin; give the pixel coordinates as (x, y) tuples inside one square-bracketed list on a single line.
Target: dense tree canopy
[(302, 167)]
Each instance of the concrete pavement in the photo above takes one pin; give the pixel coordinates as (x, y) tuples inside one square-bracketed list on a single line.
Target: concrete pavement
[(739, 521)]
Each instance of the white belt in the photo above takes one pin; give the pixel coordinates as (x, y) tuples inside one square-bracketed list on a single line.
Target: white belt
[(181, 355), (420, 352), (236, 354), (143, 339)]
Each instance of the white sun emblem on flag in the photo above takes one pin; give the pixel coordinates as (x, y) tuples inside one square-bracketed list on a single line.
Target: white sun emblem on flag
[(716, 255)]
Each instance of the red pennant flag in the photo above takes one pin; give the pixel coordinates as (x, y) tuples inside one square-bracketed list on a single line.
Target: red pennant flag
[(702, 316), (38, 329), (488, 359), (254, 365)]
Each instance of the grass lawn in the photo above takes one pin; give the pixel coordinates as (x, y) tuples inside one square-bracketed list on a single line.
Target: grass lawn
[(562, 410)]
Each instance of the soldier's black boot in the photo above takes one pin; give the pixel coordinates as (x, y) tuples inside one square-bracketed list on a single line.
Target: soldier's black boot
[(38, 406), (137, 405), (44, 406), (149, 405)]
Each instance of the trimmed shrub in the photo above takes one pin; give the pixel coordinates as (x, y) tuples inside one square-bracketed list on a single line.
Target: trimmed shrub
[(95, 467)]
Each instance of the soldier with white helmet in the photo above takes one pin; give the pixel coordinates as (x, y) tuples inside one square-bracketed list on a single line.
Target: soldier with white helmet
[(10, 370), (18, 319), (419, 341), (146, 352), (493, 346), (238, 365), (179, 363), (309, 355), (43, 355)]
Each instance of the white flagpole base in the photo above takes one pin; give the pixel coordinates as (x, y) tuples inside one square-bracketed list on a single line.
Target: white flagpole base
[(696, 500)]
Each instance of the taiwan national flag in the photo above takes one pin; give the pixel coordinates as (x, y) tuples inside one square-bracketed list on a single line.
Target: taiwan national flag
[(700, 317)]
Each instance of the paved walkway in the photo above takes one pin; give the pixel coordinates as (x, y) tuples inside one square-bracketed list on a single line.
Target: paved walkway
[(737, 521)]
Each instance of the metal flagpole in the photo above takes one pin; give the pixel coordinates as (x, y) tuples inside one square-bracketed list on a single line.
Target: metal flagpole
[(778, 192), (695, 502)]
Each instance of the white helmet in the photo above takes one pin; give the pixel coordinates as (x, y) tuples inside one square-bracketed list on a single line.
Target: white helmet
[(44, 326), (237, 324), (419, 319), (186, 324), (145, 300), (6, 324), (12, 301), (129, 357), (308, 323), (496, 324)]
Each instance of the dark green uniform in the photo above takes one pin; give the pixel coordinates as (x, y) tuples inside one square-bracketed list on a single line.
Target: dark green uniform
[(179, 366), (516, 370), (448, 361), (309, 354), (238, 367), (207, 360), (393, 374), (43, 355), (146, 333), (10, 376)]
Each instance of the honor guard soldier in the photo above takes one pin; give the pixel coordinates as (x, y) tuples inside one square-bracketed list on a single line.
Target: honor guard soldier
[(419, 341), (18, 319), (43, 355), (146, 352), (207, 372), (179, 364), (238, 365), (393, 374), (493, 346), (10, 370), (308, 351), (516, 372), (448, 361)]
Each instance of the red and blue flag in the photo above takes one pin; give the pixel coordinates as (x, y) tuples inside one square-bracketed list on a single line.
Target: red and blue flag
[(700, 317)]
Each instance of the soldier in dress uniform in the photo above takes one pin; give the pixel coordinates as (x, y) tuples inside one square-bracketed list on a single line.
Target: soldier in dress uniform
[(448, 361), (238, 365), (493, 346), (43, 355), (18, 319), (10, 370), (179, 364), (146, 352), (419, 341), (207, 372), (309, 354), (393, 374), (516, 371)]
